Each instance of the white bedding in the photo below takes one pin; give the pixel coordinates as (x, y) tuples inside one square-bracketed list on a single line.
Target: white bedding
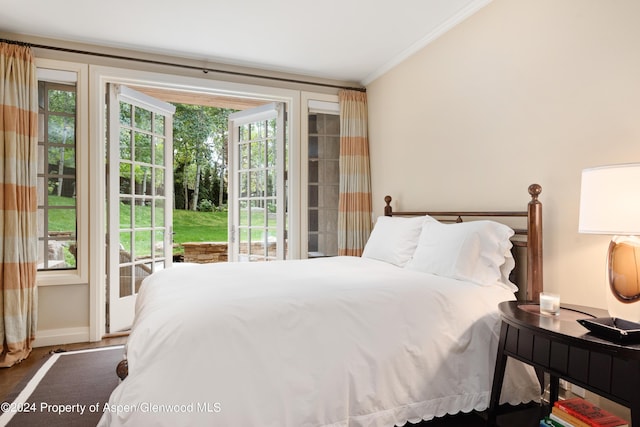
[(342, 341)]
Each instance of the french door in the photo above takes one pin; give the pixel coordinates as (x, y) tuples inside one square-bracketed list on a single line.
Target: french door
[(257, 184), (140, 197)]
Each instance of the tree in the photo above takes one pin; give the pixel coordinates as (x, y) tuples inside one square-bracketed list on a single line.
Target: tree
[(200, 139), (61, 106), (219, 144)]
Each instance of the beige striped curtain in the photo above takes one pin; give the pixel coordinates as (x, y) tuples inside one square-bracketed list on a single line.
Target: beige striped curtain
[(18, 221), (354, 206)]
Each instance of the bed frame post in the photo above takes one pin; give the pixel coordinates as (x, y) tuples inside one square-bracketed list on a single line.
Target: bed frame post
[(534, 239), (387, 208)]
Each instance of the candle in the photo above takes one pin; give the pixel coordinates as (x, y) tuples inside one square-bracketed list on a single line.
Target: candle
[(549, 303)]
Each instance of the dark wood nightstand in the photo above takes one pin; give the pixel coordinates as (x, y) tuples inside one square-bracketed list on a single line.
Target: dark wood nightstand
[(565, 349)]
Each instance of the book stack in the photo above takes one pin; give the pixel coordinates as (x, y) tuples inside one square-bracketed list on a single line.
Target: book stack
[(577, 412)]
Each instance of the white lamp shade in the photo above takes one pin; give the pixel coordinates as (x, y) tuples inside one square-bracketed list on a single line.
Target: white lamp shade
[(610, 200)]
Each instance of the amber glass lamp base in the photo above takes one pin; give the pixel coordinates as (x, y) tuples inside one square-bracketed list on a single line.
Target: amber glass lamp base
[(623, 274)]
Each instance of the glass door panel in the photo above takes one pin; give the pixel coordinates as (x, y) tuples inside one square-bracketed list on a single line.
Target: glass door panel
[(257, 184), (139, 239)]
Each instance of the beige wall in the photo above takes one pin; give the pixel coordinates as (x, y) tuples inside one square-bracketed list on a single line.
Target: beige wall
[(524, 91)]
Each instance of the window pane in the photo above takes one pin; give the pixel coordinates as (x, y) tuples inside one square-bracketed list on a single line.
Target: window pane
[(61, 130), (313, 243), (313, 147), (125, 213), (243, 240), (143, 244), (61, 192), (313, 171), (257, 213), (331, 172), (271, 128), (271, 153), (313, 195), (159, 182), (257, 183), (244, 216), (257, 155), (126, 281), (62, 160), (141, 271), (244, 156), (159, 151), (125, 178), (313, 220), (271, 183), (61, 254), (125, 245), (159, 212), (272, 206), (143, 148), (61, 222), (125, 144), (244, 132), (142, 214), (159, 124), (159, 244), (244, 184), (142, 119), (261, 130), (143, 180), (125, 114), (332, 147), (62, 101)]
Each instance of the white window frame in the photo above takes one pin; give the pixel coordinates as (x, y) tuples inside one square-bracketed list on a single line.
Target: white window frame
[(79, 275), (310, 102), (272, 111)]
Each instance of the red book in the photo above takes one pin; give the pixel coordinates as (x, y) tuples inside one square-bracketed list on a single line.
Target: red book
[(590, 413)]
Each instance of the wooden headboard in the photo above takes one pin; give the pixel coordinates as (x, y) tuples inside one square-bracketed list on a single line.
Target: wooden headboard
[(527, 238)]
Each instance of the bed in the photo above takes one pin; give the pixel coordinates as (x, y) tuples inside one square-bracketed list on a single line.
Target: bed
[(399, 334)]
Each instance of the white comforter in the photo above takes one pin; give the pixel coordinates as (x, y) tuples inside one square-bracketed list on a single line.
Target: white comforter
[(340, 341)]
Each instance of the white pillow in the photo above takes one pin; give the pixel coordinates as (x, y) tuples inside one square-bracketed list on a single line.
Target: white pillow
[(506, 269), (474, 251), (394, 239)]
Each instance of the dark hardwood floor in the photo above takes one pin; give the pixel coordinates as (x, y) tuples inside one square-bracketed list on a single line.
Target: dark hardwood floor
[(526, 417), (11, 377)]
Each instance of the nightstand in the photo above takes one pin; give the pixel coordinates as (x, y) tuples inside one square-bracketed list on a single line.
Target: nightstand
[(565, 349)]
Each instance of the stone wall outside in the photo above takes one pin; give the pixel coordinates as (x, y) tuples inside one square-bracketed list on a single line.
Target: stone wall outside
[(205, 252)]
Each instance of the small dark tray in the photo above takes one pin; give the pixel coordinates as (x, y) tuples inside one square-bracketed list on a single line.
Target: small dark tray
[(613, 329)]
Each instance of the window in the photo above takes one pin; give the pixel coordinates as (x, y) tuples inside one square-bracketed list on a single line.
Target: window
[(324, 184), (56, 175), (62, 173)]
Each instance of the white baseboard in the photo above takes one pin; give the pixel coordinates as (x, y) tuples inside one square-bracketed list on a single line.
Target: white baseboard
[(49, 337)]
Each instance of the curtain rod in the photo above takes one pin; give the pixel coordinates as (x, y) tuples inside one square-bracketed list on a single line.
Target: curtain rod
[(205, 70)]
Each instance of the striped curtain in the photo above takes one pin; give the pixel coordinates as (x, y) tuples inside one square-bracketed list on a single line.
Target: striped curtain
[(354, 206), (18, 220)]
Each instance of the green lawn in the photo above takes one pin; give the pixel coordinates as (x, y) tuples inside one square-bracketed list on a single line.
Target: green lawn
[(190, 226)]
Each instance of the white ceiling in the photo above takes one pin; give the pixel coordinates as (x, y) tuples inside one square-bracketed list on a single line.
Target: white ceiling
[(346, 40)]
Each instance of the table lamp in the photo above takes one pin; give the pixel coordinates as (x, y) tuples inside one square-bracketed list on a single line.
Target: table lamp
[(610, 204)]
